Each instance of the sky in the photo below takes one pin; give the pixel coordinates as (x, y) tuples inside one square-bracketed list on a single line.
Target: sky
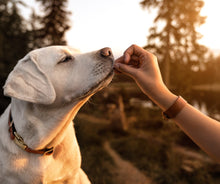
[(120, 23)]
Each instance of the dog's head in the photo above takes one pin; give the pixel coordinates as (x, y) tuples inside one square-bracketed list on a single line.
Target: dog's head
[(59, 74)]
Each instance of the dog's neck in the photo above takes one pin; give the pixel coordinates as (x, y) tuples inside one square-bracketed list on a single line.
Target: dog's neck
[(43, 126)]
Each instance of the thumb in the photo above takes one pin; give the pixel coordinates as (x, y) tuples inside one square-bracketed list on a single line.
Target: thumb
[(126, 69)]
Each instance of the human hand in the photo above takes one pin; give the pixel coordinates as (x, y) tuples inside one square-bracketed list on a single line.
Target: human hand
[(143, 67)]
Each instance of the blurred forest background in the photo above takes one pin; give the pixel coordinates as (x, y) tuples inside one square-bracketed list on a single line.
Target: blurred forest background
[(120, 125)]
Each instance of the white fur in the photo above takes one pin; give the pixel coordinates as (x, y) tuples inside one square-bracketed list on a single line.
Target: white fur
[(46, 95)]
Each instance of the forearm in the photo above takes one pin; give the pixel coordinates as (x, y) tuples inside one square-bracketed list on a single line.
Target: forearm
[(204, 131)]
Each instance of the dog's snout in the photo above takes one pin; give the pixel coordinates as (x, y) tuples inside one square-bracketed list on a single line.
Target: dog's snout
[(106, 52)]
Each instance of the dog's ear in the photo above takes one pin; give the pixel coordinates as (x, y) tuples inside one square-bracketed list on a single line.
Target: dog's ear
[(29, 83)]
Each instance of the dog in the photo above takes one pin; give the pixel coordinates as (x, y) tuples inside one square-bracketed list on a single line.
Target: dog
[(47, 88)]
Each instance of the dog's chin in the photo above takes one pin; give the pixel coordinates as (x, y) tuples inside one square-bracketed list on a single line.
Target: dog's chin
[(98, 86)]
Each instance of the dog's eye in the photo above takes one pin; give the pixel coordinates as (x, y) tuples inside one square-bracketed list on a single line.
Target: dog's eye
[(66, 59)]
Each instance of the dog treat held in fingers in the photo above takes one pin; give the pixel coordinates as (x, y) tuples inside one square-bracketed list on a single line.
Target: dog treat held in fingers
[(47, 88)]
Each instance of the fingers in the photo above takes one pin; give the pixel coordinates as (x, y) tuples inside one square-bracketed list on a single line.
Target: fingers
[(133, 63), (126, 69), (132, 56), (134, 60), (133, 50), (130, 61)]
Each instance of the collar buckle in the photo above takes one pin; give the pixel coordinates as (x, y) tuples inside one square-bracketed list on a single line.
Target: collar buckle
[(19, 141)]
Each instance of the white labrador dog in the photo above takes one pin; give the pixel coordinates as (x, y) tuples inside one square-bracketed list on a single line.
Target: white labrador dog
[(48, 87)]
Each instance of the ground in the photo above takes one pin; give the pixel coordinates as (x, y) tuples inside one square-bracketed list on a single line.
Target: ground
[(125, 172)]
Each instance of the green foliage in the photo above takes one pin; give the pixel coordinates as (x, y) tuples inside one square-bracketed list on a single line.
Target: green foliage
[(54, 23)]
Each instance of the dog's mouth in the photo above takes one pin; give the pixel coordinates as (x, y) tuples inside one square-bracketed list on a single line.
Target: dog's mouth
[(100, 84), (103, 83)]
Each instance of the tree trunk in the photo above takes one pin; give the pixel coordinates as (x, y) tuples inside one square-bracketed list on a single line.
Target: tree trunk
[(166, 69), (122, 113)]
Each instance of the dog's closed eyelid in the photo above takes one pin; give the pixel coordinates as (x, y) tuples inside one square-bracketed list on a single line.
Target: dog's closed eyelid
[(66, 59)]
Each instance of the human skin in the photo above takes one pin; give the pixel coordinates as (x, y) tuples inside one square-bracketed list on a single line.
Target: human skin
[(142, 66)]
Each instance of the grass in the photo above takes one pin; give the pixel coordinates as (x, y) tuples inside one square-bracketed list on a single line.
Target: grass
[(157, 160), (148, 145), (153, 157)]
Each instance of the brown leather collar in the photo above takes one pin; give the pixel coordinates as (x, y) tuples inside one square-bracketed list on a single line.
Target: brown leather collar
[(20, 142)]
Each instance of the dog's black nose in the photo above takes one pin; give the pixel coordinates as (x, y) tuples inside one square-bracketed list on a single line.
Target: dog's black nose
[(106, 52)]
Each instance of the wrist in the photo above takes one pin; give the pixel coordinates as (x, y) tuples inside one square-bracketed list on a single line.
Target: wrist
[(175, 108), (157, 91), (162, 96)]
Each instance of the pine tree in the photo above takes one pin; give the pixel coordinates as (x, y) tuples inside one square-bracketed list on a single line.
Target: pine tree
[(13, 36), (174, 37), (13, 41), (54, 23)]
